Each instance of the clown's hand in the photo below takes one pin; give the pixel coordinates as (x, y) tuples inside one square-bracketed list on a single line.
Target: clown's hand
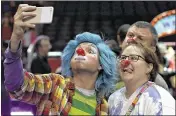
[(23, 11)]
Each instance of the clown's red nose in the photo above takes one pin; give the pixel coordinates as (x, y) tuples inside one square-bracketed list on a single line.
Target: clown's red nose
[(124, 63), (130, 40), (80, 51)]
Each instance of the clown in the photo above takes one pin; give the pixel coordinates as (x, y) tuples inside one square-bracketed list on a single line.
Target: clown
[(88, 74)]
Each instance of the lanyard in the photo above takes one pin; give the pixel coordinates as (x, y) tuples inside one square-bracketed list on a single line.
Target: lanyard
[(131, 107)]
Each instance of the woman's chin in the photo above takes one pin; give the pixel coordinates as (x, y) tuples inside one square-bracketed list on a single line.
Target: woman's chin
[(127, 79)]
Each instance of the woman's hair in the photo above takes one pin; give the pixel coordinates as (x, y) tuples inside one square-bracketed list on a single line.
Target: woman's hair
[(149, 56), (107, 76)]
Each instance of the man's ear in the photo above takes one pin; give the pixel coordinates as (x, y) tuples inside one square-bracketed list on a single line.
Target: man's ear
[(153, 48), (150, 67)]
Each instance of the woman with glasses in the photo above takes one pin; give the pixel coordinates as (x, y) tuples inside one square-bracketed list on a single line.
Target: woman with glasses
[(140, 96)]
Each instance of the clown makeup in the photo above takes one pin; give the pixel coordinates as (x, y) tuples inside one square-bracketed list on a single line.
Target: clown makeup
[(87, 47), (133, 66), (141, 35), (86, 58)]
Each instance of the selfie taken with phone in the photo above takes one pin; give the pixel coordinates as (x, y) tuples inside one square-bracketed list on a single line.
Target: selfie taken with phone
[(88, 58)]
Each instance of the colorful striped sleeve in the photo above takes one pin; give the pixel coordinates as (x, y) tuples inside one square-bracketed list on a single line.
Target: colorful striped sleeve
[(38, 87)]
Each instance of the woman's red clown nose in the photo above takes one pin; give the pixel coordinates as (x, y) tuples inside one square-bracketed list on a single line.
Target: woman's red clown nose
[(124, 63)]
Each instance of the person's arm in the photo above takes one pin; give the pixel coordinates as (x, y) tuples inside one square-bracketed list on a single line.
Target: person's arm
[(22, 85), (13, 69)]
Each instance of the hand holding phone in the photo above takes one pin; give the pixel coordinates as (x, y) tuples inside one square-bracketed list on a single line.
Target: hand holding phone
[(26, 17), (44, 15)]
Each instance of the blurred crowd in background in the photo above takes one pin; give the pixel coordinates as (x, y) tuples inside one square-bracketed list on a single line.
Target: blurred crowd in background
[(65, 26)]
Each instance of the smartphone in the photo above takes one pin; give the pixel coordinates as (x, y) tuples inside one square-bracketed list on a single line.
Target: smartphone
[(44, 15)]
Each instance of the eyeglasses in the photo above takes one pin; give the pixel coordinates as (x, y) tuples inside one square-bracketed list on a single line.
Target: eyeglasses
[(134, 58)]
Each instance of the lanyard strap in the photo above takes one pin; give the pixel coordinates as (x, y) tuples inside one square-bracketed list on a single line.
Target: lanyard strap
[(131, 107)]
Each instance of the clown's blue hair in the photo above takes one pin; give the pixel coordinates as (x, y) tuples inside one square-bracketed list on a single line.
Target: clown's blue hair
[(107, 77)]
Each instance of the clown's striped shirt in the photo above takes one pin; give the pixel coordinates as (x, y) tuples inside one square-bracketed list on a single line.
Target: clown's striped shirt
[(51, 93), (82, 104)]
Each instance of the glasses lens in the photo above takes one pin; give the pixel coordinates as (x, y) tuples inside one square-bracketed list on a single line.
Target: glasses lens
[(133, 57), (123, 57)]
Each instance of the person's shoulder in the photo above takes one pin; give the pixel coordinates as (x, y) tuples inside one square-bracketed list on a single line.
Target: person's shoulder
[(161, 82), (117, 93), (153, 92), (55, 77), (158, 77), (158, 92), (168, 102), (164, 93), (35, 59)]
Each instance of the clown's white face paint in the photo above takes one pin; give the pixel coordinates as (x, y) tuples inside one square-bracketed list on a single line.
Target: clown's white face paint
[(86, 58)]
